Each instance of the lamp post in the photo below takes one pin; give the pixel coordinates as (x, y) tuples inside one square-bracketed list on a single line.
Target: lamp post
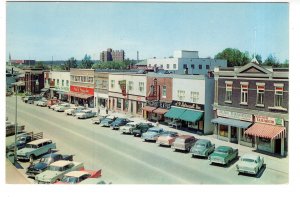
[(16, 128)]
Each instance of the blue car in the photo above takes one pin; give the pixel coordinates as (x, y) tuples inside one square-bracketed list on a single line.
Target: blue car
[(119, 122)]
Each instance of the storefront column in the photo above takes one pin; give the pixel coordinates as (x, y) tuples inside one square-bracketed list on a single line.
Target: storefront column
[(282, 147), (273, 146), (218, 130), (229, 133), (239, 134)]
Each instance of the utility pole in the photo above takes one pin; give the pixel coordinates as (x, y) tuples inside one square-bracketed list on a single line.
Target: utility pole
[(16, 128)]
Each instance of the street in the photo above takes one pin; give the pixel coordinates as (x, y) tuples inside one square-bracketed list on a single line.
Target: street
[(125, 159)]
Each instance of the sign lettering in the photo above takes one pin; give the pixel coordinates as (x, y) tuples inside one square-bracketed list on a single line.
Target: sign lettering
[(122, 84), (82, 90), (234, 115), (269, 120), (188, 105)]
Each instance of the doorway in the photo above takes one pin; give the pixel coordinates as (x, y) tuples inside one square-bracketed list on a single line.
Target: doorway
[(277, 146)]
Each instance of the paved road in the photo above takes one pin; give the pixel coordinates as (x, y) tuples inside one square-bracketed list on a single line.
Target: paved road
[(125, 159)]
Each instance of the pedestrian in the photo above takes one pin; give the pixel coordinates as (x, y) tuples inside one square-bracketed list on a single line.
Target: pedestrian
[(98, 110), (106, 111)]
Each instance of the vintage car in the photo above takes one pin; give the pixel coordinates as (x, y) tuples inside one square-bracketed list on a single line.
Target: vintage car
[(184, 142), (106, 122), (35, 149), (21, 140), (57, 170), (166, 138), (152, 134), (223, 155), (44, 162), (128, 128), (98, 119), (250, 164), (62, 107), (52, 101), (33, 99), (73, 110), (42, 102), (141, 128), (202, 148), (119, 122), (86, 113), (56, 105), (75, 177)]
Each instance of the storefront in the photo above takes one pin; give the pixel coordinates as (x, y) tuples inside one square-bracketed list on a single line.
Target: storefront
[(155, 110), (81, 96)]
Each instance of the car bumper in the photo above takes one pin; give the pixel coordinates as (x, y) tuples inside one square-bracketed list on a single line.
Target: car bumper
[(216, 160)]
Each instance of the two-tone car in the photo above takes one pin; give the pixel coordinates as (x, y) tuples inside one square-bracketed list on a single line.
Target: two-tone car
[(118, 123), (97, 120), (35, 149), (106, 122), (202, 148), (62, 107), (21, 141), (183, 142), (73, 110), (39, 167), (223, 155), (141, 128), (42, 102), (86, 113), (250, 164), (56, 105), (152, 134), (57, 170), (76, 177), (167, 138)]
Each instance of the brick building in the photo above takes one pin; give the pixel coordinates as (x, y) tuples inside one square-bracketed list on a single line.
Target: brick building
[(34, 80), (112, 55)]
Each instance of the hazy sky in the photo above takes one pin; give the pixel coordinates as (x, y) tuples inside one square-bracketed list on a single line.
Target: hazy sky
[(38, 30)]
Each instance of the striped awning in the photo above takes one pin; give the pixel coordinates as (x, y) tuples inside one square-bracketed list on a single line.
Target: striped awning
[(78, 95), (160, 111), (148, 108), (266, 131)]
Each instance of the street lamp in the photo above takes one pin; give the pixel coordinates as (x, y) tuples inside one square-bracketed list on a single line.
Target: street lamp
[(16, 128)]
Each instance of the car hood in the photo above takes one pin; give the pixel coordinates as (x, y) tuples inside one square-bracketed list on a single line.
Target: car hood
[(150, 134), (79, 114), (23, 151), (106, 121), (39, 166), (198, 148), (48, 176), (243, 164)]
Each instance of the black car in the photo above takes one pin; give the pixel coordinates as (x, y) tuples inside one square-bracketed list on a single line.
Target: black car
[(44, 162), (141, 128), (106, 122), (119, 122)]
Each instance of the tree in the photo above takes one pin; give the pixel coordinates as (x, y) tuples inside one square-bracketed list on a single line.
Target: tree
[(234, 57), (39, 64), (86, 62), (110, 65), (70, 63), (285, 64), (271, 61)]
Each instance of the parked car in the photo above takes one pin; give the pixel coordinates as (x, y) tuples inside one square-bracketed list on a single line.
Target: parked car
[(35, 149), (202, 148), (86, 113), (21, 141), (75, 177), (32, 99), (42, 102), (141, 128), (73, 110), (106, 122), (167, 138), (62, 107), (57, 170), (27, 98), (184, 142), (56, 105), (52, 101), (37, 168), (223, 155), (98, 119), (152, 134), (119, 122), (250, 164), (128, 128)]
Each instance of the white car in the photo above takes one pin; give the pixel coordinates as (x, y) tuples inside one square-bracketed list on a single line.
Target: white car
[(250, 164), (62, 107), (42, 102), (128, 127), (74, 109), (87, 113), (55, 105)]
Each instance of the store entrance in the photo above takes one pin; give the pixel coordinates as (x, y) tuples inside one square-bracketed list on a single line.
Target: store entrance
[(277, 146), (233, 137)]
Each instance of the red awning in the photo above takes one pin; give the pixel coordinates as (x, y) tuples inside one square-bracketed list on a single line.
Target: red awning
[(148, 108), (266, 131), (160, 111), (78, 95)]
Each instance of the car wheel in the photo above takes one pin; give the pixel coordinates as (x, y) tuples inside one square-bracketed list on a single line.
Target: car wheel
[(31, 158), (193, 155), (49, 150)]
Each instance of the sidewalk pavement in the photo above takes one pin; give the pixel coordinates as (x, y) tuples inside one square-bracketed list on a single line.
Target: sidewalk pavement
[(13, 175)]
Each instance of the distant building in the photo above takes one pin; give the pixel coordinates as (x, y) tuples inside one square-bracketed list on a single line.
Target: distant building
[(22, 62), (111, 55), (34, 80), (186, 62)]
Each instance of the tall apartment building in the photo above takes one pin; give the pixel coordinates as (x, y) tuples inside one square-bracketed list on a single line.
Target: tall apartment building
[(112, 55)]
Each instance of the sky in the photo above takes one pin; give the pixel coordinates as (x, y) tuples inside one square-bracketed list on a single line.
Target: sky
[(40, 30)]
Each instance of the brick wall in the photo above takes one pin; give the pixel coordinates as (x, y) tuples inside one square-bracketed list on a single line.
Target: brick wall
[(161, 81)]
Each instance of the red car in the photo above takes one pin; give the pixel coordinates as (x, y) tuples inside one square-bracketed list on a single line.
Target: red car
[(75, 177)]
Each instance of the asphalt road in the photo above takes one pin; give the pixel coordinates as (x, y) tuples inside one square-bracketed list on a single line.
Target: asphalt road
[(125, 159)]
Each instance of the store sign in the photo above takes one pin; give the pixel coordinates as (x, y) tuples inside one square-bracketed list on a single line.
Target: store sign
[(122, 84), (153, 91), (269, 120), (82, 90), (152, 103), (52, 84), (234, 115), (188, 105), (160, 104)]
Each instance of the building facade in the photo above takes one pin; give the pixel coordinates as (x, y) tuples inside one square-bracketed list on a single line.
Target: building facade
[(251, 107), (34, 80), (82, 87), (101, 89), (58, 84), (186, 62), (127, 93), (112, 55)]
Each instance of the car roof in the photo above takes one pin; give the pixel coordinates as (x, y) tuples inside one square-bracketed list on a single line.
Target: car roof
[(60, 163), (76, 173), (203, 140), (250, 156), (185, 136), (35, 142), (224, 148), (155, 128)]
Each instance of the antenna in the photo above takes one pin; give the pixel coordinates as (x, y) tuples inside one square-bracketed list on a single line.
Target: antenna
[(254, 42), (137, 56), (52, 63)]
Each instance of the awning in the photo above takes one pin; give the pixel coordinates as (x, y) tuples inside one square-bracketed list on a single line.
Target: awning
[(160, 111), (44, 89), (19, 83), (231, 122), (191, 115), (174, 112), (78, 95), (266, 131), (61, 92), (148, 108)]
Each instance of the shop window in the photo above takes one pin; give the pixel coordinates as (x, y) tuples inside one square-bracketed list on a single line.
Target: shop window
[(200, 66), (195, 97), (63, 82), (139, 107), (278, 96), (57, 82), (207, 67), (245, 138), (244, 94), (168, 66), (119, 103), (174, 66), (126, 105), (67, 83), (192, 66), (228, 94), (161, 66), (112, 83), (260, 95), (181, 94), (164, 91), (223, 131), (141, 86), (130, 85)]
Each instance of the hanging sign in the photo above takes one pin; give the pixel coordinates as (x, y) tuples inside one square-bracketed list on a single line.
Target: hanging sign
[(122, 84)]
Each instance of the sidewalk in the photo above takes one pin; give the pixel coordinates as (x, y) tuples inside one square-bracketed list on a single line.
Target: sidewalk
[(13, 175)]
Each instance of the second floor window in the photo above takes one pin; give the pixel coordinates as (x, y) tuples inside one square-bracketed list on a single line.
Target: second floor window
[(181, 94), (67, 83), (141, 86), (130, 85), (57, 82), (185, 66), (63, 82), (278, 96), (192, 66), (164, 91), (228, 94), (207, 67), (200, 66), (174, 66), (168, 66), (244, 94), (195, 97), (260, 95), (112, 83)]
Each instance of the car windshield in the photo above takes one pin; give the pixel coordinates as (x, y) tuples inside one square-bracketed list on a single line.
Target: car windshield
[(46, 159), (69, 179), (30, 146), (202, 144), (248, 160), (55, 168), (119, 120), (221, 150)]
